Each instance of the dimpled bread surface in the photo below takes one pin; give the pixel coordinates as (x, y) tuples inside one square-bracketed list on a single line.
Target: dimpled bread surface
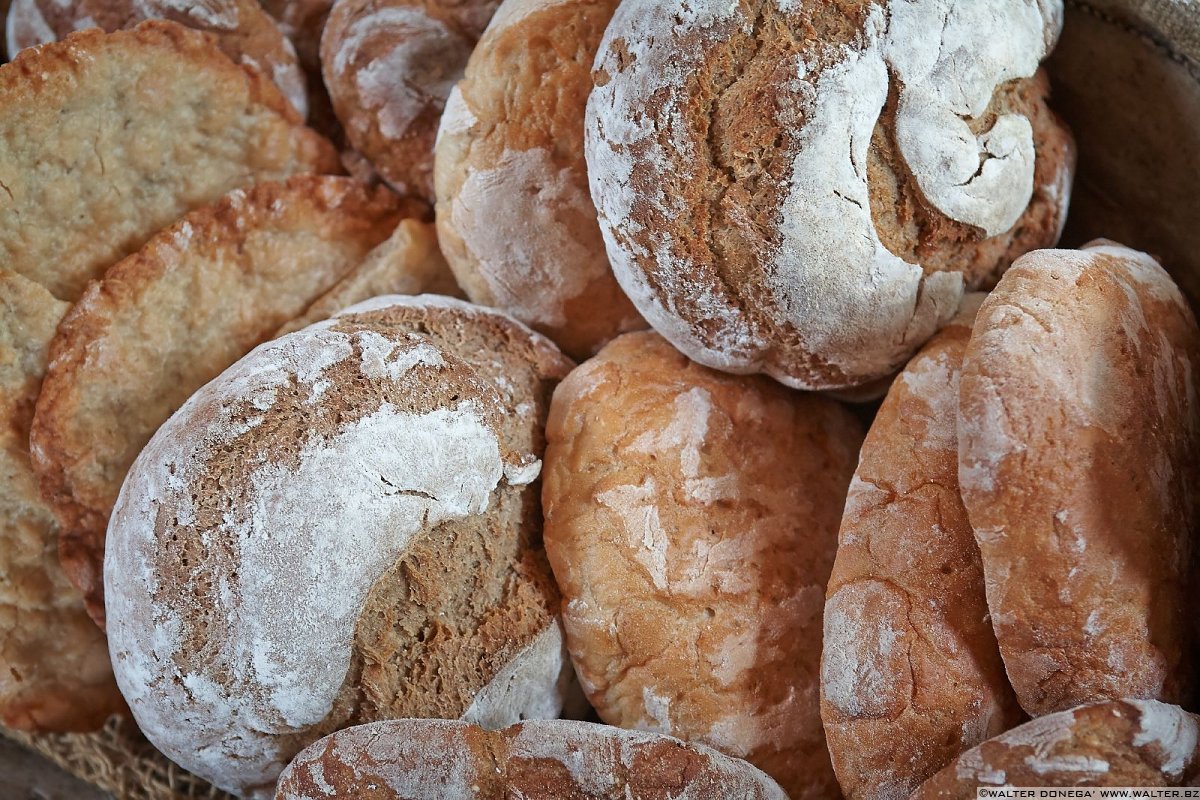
[(691, 521)]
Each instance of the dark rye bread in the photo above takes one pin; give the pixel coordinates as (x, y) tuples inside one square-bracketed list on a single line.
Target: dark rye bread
[(256, 604), (540, 760), (1117, 743), (801, 189)]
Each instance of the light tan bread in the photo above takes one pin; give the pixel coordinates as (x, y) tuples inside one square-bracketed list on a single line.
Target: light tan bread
[(54, 668), (302, 21), (408, 262), (168, 319), (389, 66), (107, 138), (514, 215), (341, 528), (1116, 743), (1079, 426), (691, 521), (911, 674), (806, 188), (241, 28), (413, 759)]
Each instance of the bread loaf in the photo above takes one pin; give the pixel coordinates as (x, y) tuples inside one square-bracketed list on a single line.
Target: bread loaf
[(343, 527), (1116, 743), (514, 215), (691, 521), (911, 674), (1079, 426), (805, 188), (538, 760)]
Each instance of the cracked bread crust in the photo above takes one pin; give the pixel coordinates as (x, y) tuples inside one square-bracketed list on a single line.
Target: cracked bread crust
[(1078, 426), (166, 320), (420, 564), (241, 28), (1117, 743), (537, 760), (77, 195), (684, 505), (54, 669), (514, 214), (801, 189), (911, 674)]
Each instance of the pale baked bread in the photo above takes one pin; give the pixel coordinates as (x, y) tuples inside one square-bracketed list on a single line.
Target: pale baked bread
[(1079, 426), (1117, 743), (54, 668), (302, 21), (413, 759), (691, 521), (514, 215), (408, 262), (168, 319), (241, 28), (805, 188), (388, 66), (911, 674), (343, 527), (80, 195)]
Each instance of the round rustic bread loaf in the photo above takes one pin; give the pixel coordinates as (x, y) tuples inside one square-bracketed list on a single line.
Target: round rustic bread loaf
[(389, 65), (910, 672), (426, 759), (1079, 426), (343, 527), (1116, 743), (514, 215), (691, 521), (805, 188), (245, 32)]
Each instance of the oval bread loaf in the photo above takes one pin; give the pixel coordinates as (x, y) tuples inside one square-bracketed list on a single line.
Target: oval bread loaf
[(805, 188), (411, 759), (343, 527)]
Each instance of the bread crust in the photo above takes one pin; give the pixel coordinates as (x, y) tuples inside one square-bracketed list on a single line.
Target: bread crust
[(241, 28), (78, 197), (537, 760), (1079, 427), (389, 66), (169, 318), (1116, 743), (684, 505), (911, 674), (54, 668), (514, 214), (784, 188)]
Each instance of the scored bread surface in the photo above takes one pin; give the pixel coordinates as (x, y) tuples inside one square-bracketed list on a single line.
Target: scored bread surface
[(691, 521), (805, 188), (106, 138), (54, 668), (343, 527), (1079, 426), (166, 320), (911, 674), (536, 760)]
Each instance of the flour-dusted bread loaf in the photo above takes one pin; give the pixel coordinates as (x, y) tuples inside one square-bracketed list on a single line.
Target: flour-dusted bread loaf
[(1115, 743), (805, 188), (1079, 425), (389, 66), (911, 674), (415, 759), (54, 667), (343, 527), (514, 215), (243, 30), (691, 521), (168, 319)]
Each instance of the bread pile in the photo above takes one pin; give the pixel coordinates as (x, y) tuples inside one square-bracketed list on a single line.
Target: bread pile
[(492, 434)]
